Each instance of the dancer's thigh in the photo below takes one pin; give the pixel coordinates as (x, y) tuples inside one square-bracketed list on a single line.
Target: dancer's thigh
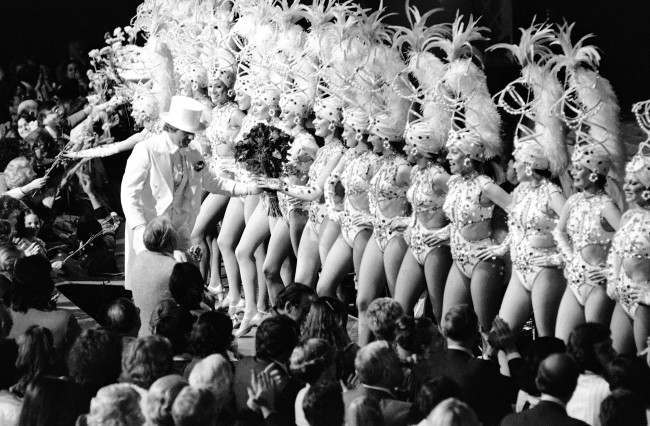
[(410, 282), (337, 264)]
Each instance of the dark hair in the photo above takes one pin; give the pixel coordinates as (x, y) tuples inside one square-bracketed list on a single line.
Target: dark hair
[(323, 404), (122, 316), (582, 346), (631, 373), (169, 128), (145, 360), (211, 334), (194, 407), (622, 407), (377, 364), (382, 315), (323, 322), (173, 322), (160, 236), (415, 335), (35, 356), (398, 146), (50, 401), (275, 338), (33, 285), (460, 323), (20, 230), (311, 359), (186, 285), (293, 295), (432, 393), (94, 360)]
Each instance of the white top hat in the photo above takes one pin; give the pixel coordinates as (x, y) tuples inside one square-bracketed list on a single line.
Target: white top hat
[(184, 114)]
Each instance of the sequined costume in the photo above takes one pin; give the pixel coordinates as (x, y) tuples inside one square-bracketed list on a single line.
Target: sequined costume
[(217, 134), (355, 180), (531, 222), (424, 199), (383, 188), (584, 228), (334, 202), (463, 207), (631, 241)]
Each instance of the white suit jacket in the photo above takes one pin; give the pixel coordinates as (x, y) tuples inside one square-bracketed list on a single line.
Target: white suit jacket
[(148, 187)]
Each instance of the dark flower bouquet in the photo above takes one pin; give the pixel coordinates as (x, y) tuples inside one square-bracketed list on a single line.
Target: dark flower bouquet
[(263, 151)]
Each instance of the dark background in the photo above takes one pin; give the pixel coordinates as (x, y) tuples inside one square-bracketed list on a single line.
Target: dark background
[(42, 29)]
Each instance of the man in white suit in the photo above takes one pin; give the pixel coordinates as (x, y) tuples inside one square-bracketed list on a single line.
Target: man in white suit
[(163, 177)]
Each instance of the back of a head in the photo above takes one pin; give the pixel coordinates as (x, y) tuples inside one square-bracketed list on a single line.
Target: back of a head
[(323, 404), (587, 345), (365, 411), (6, 322), (118, 404), (275, 338), (292, 296), (311, 359), (630, 373), (194, 407), (33, 284), (432, 393), (211, 334), (145, 360), (460, 324), (323, 322), (160, 235), (50, 401), (215, 374), (382, 316), (417, 335), (186, 285), (377, 364), (35, 355), (452, 412), (542, 347), (622, 407), (172, 321), (18, 172), (94, 360), (557, 376), (161, 397), (123, 318)]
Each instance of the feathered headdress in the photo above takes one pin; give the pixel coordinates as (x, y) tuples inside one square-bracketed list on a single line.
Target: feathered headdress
[(542, 146), (593, 105), (639, 165), (463, 89)]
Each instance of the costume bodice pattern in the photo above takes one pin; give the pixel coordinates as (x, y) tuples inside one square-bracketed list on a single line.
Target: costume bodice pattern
[(584, 226), (531, 213), (219, 123), (422, 194), (355, 177), (463, 201), (632, 240), (384, 187), (325, 153)]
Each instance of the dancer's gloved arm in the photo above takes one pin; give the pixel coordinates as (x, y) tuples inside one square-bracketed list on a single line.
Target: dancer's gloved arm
[(561, 236), (109, 149), (315, 189), (221, 185)]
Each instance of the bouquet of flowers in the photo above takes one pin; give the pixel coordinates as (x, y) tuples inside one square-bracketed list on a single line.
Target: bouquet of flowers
[(263, 151)]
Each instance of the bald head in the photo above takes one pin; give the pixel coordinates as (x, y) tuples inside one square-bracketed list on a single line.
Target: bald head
[(557, 376)]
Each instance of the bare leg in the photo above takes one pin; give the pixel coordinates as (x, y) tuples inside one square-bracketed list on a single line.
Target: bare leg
[(569, 315), (215, 263), (329, 231), (622, 331), (393, 256), (487, 291), (308, 261), (297, 222), (358, 247), (256, 231), (546, 297), (641, 326), (337, 264), (410, 283), (210, 213), (260, 282), (287, 270), (436, 270), (599, 307), (372, 279), (516, 306), (231, 231), (278, 251), (456, 290)]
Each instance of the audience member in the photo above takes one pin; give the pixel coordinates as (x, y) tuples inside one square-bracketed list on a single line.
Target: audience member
[(364, 411), (294, 301), (323, 404), (51, 401), (94, 361), (160, 398), (215, 373), (431, 394), (145, 360), (211, 334), (117, 404), (629, 373), (31, 303), (194, 407), (35, 357), (186, 285), (451, 412), (379, 374), (556, 380), (590, 345), (173, 322), (382, 316), (622, 407), (8, 350), (152, 268), (123, 318), (9, 254)]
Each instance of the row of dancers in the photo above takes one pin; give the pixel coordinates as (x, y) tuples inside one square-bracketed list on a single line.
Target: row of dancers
[(393, 172)]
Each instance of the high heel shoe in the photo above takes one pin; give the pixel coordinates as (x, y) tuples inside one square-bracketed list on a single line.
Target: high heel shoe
[(259, 317), (247, 324)]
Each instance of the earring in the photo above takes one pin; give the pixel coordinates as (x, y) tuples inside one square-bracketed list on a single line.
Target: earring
[(331, 126), (529, 170), (467, 162), (593, 177), (231, 93), (646, 195), (272, 112), (358, 136), (386, 144), (296, 120)]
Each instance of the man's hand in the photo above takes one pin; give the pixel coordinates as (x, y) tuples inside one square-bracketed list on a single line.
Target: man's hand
[(501, 337)]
